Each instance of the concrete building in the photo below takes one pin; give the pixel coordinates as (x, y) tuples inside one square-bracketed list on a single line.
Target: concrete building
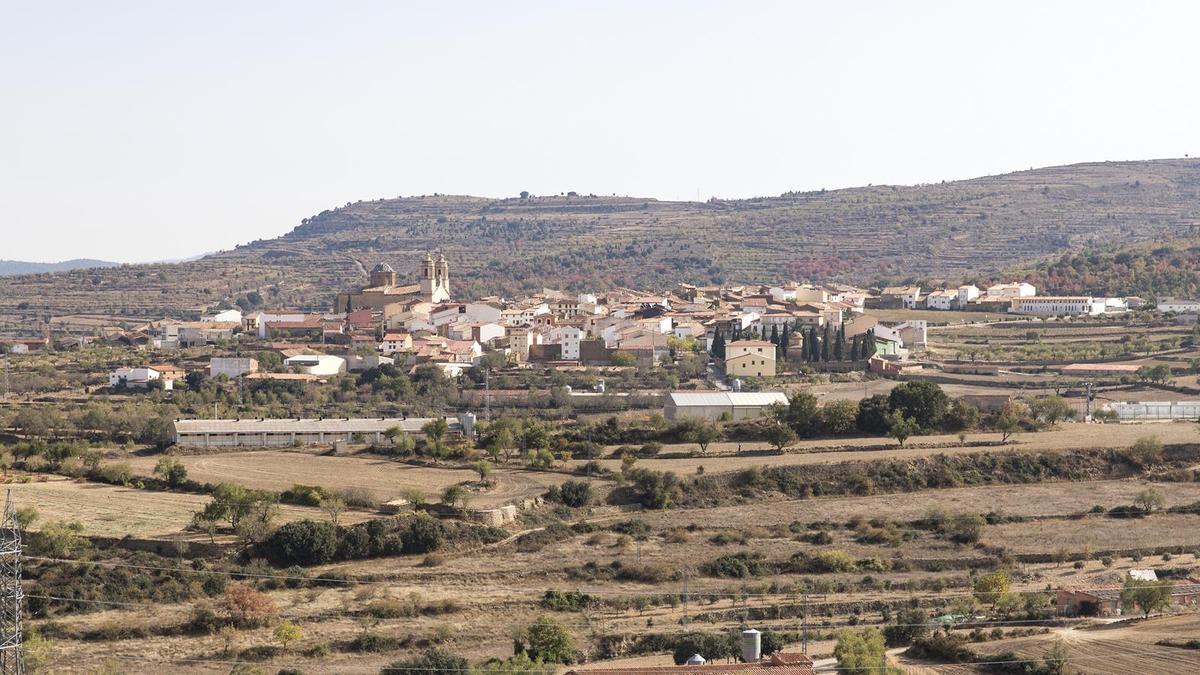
[(568, 337), (286, 432), (1179, 306), (711, 405), (1058, 305), (231, 367), (750, 358)]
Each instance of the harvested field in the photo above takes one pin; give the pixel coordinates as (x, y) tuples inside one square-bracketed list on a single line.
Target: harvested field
[(1116, 649), (112, 511), (385, 479)]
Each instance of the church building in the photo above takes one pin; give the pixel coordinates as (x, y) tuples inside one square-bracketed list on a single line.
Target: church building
[(382, 293)]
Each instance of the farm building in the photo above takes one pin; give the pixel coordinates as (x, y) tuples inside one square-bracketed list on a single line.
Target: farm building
[(711, 405), (258, 432), (1106, 600)]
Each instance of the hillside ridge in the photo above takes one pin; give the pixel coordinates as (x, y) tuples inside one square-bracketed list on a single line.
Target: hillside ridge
[(862, 235)]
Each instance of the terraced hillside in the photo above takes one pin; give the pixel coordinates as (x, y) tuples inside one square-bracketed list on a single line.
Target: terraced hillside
[(861, 234)]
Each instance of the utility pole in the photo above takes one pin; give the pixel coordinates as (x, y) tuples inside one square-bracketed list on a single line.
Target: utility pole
[(487, 394), (11, 595), (1088, 396), (804, 625), (685, 598)]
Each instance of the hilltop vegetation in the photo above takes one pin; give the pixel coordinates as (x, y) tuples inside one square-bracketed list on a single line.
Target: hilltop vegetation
[(861, 235), (1148, 271)]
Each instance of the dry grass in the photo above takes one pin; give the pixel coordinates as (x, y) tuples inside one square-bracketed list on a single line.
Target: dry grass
[(385, 479), (111, 511)]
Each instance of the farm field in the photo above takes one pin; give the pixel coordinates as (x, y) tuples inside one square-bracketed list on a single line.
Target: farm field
[(1116, 649), (113, 511), (385, 479)]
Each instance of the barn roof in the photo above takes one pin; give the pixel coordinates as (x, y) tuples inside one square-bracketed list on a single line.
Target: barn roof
[(684, 399), (364, 425)]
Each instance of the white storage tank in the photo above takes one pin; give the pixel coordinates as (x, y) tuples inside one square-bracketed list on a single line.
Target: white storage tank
[(751, 645)]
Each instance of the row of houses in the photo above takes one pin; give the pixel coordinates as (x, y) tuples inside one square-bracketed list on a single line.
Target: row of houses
[(1014, 297)]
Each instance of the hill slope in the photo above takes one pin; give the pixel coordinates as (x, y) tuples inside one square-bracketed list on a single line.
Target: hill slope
[(948, 230), (11, 267)]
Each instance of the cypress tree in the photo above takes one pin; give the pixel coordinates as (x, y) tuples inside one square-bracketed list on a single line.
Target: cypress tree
[(814, 346), (839, 347), (825, 340), (855, 350), (784, 338), (718, 345), (775, 335), (868, 349)]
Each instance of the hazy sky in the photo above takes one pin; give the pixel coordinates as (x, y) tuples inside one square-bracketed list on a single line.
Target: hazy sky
[(137, 131)]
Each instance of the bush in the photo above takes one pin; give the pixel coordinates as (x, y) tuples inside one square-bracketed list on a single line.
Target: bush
[(575, 494), (304, 495), (431, 662), (422, 534), (738, 566), (301, 542)]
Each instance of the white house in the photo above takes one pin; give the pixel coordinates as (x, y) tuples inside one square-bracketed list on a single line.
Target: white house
[(317, 364), (136, 378), (396, 342), (1013, 290), (943, 299), (568, 337), (966, 294), (224, 316)]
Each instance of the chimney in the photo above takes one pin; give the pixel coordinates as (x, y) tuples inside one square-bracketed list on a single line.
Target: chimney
[(751, 646)]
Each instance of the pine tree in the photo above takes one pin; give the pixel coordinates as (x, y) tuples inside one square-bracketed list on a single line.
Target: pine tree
[(825, 344)]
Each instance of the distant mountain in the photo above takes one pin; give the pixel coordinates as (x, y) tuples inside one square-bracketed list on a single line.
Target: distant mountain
[(11, 267), (975, 228)]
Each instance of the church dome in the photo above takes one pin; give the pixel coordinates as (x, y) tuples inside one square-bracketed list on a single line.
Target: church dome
[(382, 267)]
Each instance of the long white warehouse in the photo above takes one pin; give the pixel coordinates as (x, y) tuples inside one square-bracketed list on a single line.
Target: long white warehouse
[(259, 432)]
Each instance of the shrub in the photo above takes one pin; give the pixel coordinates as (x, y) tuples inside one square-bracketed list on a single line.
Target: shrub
[(247, 607), (304, 495), (738, 566), (422, 534), (549, 641), (301, 542), (575, 494)]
